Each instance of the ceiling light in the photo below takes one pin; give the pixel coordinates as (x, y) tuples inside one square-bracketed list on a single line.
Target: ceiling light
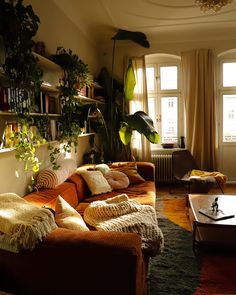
[(214, 5)]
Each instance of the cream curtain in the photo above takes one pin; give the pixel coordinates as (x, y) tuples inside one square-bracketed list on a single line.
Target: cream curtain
[(140, 146), (198, 72)]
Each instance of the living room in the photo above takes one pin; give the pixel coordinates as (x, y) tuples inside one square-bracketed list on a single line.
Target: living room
[(171, 30)]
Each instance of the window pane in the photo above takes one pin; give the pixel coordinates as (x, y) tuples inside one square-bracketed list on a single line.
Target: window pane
[(151, 109), (229, 77), (169, 77), (150, 78), (229, 118), (169, 119)]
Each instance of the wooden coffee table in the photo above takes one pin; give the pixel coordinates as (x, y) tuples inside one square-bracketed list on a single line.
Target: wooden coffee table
[(206, 230)]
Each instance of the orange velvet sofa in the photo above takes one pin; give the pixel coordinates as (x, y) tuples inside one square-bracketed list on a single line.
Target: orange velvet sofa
[(75, 262)]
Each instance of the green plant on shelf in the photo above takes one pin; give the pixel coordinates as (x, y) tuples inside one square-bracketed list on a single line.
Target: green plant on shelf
[(25, 144), (18, 26)]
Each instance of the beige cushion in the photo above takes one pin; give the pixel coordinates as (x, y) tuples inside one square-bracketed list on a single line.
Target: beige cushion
[(130, 169), (67, 217), (117, 179), (104, 168), (96, 182), (49, 178)]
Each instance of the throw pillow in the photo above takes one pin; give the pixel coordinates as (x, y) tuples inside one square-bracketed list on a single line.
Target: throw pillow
[(49, 178), (67, 217), (96, 182), (117, 179), (104, 168), (130, 169)]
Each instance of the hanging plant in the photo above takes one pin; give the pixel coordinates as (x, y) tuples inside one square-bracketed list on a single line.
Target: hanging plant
[(18, 25), (25, 143), (74, 113), (75, 71)]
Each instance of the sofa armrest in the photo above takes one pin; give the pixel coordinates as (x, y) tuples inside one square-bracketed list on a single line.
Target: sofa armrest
[(71, 262), (146, 170)]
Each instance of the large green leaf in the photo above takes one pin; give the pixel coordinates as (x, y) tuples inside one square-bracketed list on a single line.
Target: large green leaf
[(141, 122), (130, 82), (137, 37)]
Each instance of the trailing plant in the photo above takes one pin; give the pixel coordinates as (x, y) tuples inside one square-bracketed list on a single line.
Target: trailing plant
[(18, 25), (75, 71), (74, 113), (25, 143), (54, 155)]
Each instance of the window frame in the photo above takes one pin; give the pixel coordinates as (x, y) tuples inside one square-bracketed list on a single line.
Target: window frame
[(224, 90), (158, 94)]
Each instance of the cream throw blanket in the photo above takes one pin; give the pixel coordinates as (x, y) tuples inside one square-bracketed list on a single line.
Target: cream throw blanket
[(127, 215), (25, 224)]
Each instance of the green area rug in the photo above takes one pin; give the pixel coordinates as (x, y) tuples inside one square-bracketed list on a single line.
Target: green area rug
[(178, 271)]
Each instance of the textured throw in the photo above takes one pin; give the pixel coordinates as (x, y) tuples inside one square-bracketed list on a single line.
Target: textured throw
[(23, 222), (219, 177), (126, 215)]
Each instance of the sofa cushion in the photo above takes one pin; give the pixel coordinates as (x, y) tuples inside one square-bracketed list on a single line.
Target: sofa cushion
[(48, 196), (96, 182), (67, 217), (81, 186), (117, 179), (130, 169), (49, 178), (104, 168)]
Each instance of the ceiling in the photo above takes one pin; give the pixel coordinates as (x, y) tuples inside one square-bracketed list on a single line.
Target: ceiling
[(160, 20)]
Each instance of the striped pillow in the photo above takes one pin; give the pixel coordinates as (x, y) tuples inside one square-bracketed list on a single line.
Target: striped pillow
[(49, 178)]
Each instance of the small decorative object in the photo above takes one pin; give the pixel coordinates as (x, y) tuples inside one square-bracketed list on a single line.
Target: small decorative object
[(214, 5), (215, 213), (215, 205), (182, 142)]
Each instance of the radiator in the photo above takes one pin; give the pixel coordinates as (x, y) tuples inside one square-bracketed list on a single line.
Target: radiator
[(163, 165)]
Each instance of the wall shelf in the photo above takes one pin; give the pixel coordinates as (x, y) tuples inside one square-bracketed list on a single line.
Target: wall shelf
[(85, 99)]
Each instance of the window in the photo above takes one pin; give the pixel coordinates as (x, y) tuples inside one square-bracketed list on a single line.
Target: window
[(164, 100), (228, 101)]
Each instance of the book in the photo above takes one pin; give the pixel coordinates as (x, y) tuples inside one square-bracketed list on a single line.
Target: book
[(216, 215)]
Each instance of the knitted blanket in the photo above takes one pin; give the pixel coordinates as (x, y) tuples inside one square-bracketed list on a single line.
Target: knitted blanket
[(127, 215), (23, 223)]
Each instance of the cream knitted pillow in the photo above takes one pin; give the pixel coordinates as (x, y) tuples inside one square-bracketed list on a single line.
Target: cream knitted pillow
[(96, 182)]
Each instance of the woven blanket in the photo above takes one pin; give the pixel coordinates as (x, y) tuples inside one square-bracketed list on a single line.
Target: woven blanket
[(25, 224), (221, 178), (127, 215)]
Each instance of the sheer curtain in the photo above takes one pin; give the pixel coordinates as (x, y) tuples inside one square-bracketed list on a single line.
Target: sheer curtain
[(199, 92), (140, 146)]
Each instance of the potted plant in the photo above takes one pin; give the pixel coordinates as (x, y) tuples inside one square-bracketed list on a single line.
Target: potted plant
[(74, 113), (18, 26)]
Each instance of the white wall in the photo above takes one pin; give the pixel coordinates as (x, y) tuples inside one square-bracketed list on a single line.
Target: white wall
[(126, 49), (55, 29)]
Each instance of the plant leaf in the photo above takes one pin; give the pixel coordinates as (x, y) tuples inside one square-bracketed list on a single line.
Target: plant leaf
[(137, 37), (141, 122), (130, 82), (125, 133)]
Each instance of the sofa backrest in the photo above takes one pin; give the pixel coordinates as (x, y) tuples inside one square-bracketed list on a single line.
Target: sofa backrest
[(47, 197)]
